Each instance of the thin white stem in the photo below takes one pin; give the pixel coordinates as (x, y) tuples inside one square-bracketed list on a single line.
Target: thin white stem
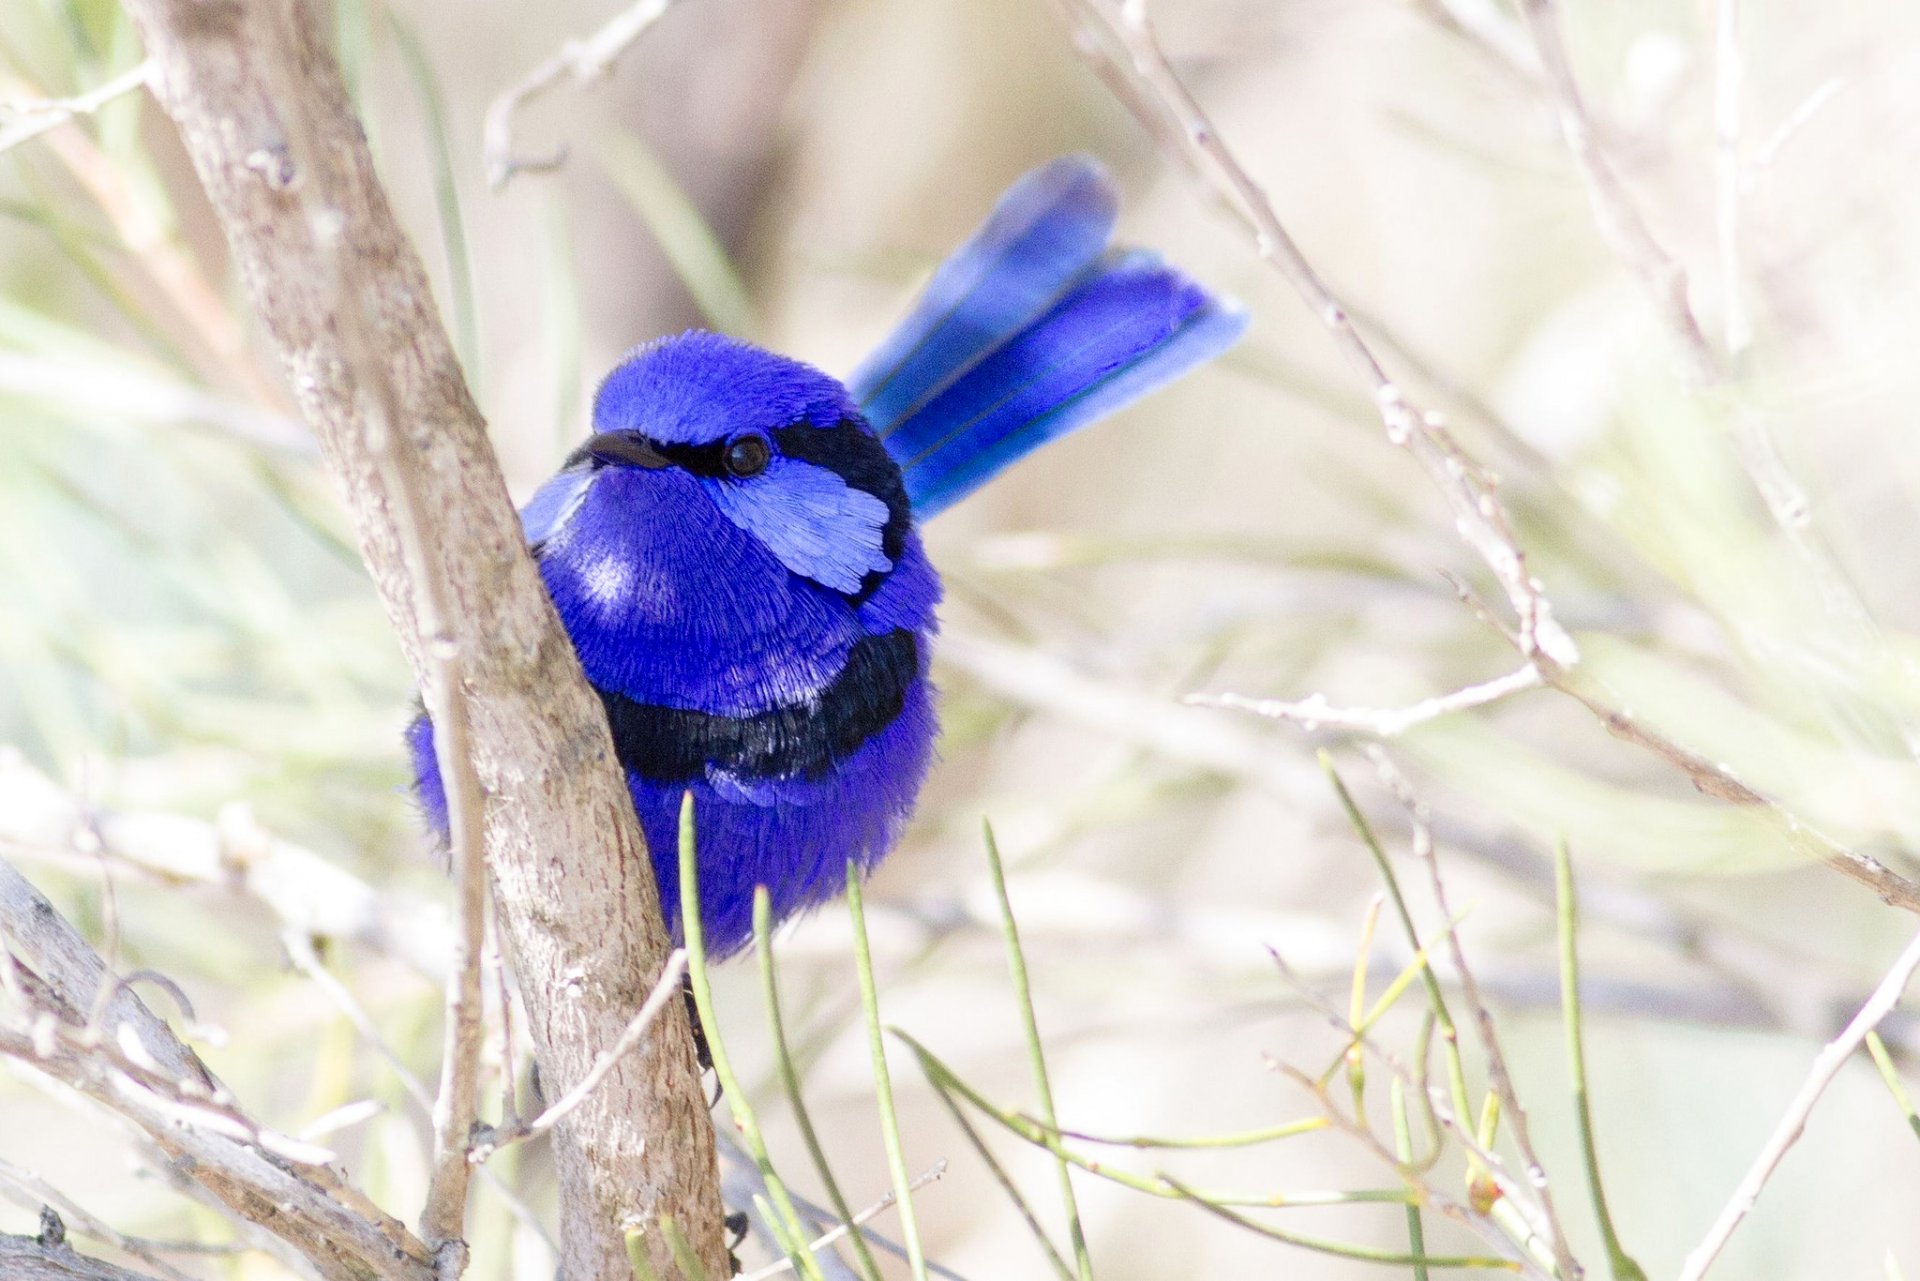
[(1615, 211), (828, 1238), (1796, 120), (663, 991), (1826, 1066), (583, 61), (1315, 712), (33, 118)]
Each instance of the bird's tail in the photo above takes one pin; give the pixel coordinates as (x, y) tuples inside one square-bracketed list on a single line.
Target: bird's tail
[(1032, 329)]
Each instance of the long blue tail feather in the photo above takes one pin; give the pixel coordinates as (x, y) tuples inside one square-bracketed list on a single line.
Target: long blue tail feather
[(1132, 327), (1030, 331), (1047, 232)]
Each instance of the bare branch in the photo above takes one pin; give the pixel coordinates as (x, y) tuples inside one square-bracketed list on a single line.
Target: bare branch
[(1469, 491), (261, 110), (1826, 1065), (29, 1190), (583, 61)]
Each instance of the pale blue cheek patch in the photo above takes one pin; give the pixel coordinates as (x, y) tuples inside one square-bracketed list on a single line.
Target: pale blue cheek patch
[(813, 522), (553, 504)]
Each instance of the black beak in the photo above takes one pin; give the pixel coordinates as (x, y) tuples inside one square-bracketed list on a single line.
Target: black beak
[(614, 448)]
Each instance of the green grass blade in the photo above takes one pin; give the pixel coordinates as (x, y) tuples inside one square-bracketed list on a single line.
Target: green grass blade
[(1403, 1149), (1036, 1053), (637, 1256), (882, 1082), (1007, 1185), (790, 1078), (1449, 1033), (446, 195), (1623, 1265), (1342, 1249), (1241, 1139), (744, 1117), (1891, 1075), (944, 1078)]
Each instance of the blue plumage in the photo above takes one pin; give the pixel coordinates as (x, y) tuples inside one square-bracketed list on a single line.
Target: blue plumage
[(734, 552), (1046, 234)]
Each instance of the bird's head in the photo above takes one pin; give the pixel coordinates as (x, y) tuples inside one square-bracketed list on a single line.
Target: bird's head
[(702, 425)]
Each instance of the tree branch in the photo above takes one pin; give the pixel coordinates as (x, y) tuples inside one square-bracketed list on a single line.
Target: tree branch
[(48, 1257), (131, 1062), (262, 112)]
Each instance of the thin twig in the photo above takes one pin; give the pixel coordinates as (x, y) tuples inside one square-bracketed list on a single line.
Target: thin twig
[(1616, 212), (1826, 1065), (865, 1216), (663, 991), (1471, 494), (32, 118), (1796, 120), (1499, 1077), (583, 61), (300, 950), (1315, 712)]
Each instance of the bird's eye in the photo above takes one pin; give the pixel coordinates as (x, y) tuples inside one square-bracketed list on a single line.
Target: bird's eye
[(748, 456)]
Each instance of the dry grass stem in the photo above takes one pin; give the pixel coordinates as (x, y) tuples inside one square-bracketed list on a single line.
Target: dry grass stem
[(1793, 1123)]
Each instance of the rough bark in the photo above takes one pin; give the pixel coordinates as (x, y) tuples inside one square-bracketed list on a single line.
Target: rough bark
[(30, 1259), (260, 107)]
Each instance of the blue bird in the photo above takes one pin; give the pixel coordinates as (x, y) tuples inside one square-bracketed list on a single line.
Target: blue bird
[(735, 551)]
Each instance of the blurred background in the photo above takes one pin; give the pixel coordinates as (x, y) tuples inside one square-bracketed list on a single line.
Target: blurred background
[(192, 660)]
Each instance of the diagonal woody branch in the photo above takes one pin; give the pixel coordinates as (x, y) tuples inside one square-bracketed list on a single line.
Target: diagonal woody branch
[(261, 110), (69, 1019)]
